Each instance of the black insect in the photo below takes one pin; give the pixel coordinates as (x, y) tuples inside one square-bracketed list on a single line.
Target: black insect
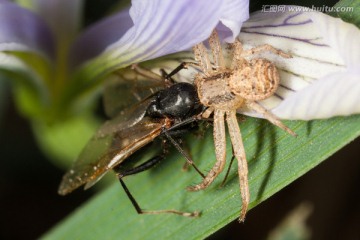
[(165, 113)]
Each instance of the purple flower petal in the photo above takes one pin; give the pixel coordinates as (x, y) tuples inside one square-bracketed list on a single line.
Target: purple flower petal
[(234, 14), (63, 17), (22, 30), (99, 36), (164, 27)]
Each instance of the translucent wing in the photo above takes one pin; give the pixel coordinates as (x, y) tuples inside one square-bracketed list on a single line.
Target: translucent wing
[(127, 87), (116, 140)]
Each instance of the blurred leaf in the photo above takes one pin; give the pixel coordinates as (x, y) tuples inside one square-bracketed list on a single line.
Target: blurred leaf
[(62, 141), (31, 92), (294, 227), (275, 160), (352, 15)]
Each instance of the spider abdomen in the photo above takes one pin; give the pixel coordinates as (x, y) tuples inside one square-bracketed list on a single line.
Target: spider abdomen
[(255, 80)]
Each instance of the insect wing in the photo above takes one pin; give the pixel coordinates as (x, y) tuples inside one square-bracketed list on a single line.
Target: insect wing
[(107, 149), (124, 119), (127, 87)]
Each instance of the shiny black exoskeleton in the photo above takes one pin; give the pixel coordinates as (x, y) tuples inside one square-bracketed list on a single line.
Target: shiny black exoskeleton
[(180, 101)]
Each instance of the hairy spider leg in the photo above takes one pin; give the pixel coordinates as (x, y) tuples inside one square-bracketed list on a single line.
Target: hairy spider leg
[(147, 73), (239, 152), (202, 58), (220, 152), (269, 116), (263, 48), (215, 46)]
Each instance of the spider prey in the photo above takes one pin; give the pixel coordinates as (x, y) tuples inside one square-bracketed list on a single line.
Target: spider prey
[(224, 90), (164, 114)]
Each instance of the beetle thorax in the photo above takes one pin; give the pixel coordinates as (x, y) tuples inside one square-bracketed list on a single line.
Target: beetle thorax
[(214, 90)]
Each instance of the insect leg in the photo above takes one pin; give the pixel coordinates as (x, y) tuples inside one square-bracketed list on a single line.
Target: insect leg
[(265, 48), (141, 211), (142, 167), (168, 79), (239, 153), (220, 151), (187, 157), (269, 116), (183, 123), (145, 166), (216, 49), (183, 65)]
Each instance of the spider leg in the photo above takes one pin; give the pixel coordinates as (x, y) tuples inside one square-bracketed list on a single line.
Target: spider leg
[(147, 73), (265, 48), (220, 152), (206, 114), (201, 56), (237, 53), (239, 152), (216, 49), (269, 116)]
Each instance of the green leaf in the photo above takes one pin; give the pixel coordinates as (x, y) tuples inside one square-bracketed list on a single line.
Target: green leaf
[(275, 160), (349, 11)]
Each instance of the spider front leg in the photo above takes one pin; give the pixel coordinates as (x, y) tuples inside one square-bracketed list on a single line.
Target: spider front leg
[(220, 152), (163, 78), (237, 53), (201, 56), (147, 73), (264, 48), (215, 46), (239, 152)]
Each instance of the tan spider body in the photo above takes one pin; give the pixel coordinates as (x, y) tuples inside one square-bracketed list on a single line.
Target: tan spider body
[(224, 90)]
